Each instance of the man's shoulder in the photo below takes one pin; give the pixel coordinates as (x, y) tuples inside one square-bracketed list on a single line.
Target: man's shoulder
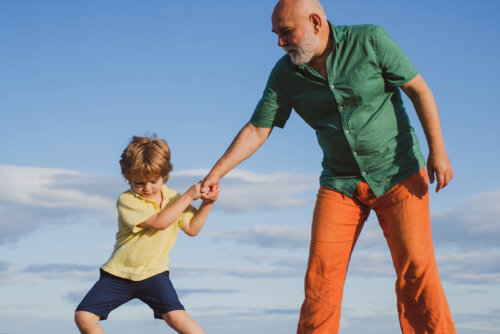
[(362, 30)]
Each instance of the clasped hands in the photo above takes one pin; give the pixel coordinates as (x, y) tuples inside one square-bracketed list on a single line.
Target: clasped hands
[(208, 192)]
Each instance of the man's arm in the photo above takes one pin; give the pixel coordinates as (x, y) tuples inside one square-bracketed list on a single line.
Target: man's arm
[(438, 164), (248, 140)]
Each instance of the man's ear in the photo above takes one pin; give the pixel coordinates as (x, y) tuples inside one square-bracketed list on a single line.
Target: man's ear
[(316, 22)]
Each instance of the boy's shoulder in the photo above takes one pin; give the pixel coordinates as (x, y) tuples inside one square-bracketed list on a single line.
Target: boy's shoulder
[(127, 194), (169, 193), (128, 198)]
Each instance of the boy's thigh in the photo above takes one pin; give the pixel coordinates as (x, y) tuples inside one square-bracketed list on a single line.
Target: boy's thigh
[(108, 293), (159, 294), (181, 322)]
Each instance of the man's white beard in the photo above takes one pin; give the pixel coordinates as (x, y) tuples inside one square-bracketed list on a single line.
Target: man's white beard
[(304, 51)]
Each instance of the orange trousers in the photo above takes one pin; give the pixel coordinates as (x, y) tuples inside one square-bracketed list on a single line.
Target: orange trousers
[(403, 215)]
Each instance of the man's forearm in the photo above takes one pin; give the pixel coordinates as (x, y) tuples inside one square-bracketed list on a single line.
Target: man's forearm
[(425, 106), (438, 163), (248, 140)]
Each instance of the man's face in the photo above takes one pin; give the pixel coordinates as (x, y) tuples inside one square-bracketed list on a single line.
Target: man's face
[(295, 35)]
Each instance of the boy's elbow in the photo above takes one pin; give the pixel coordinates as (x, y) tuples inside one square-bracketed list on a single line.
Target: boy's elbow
[(191, 233)]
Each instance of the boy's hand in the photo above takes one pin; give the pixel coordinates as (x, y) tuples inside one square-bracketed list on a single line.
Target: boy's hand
[(195, 191), (211, 196)]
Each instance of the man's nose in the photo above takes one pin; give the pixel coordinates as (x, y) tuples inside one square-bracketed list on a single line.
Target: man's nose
[(281, 42)]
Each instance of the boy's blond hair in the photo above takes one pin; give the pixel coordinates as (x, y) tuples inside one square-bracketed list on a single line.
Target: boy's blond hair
[(146, 158)]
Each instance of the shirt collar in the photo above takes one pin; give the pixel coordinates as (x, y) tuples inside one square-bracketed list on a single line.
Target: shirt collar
[(338, 34), (164, 194)]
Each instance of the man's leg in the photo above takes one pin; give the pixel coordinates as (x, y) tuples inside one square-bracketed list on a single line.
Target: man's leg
[(403, 214), (337, 222)]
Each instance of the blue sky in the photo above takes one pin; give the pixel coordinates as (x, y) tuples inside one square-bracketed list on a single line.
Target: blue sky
[(79, 78)]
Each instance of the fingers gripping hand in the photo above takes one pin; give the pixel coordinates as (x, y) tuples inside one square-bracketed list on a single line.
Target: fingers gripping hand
[(195, 191), (212, 195), (208, 184)]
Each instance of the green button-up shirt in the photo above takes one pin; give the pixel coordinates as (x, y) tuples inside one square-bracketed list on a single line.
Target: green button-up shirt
[(357, 112)]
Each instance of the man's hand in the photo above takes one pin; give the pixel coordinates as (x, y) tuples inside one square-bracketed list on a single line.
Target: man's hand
[(211, 196), (210, 186), (439, 168)]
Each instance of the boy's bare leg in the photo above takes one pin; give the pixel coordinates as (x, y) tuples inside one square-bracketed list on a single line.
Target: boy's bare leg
[(181, 322), (88, 323)]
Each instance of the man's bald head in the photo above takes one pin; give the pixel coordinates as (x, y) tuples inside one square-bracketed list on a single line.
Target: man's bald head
[(302, 28), (300, 8)]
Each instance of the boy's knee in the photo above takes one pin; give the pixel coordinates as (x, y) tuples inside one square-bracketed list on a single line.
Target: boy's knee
[(86, 320)]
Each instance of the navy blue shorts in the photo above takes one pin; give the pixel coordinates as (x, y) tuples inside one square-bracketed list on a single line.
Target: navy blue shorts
[(111, 291)]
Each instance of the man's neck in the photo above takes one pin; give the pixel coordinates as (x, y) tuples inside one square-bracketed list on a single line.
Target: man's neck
[(318, 62)]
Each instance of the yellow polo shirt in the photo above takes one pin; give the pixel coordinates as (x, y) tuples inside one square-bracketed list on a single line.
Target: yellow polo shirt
[(141, 252)]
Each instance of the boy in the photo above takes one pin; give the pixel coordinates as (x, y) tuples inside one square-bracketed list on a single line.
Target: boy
[(148, 217)]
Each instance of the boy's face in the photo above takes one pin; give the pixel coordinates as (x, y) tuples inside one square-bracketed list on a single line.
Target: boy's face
[(149, 189)]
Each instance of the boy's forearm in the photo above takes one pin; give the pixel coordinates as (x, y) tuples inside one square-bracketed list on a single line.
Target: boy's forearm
[(169, 215), (199, 219)]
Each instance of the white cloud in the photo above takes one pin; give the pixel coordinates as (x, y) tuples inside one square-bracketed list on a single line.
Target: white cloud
[(243, 190), (40, 273), (474, 223), (32, 197), (52, 188), (277, 270), (268, 236)]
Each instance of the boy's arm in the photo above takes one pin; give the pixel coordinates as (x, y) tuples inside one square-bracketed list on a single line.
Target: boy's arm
[(194, 226), (169, 215)]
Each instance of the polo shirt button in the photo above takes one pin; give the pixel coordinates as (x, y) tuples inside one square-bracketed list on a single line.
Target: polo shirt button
[(341, 108), (333, 86), (355, 153), (364, 173), (346, 131)]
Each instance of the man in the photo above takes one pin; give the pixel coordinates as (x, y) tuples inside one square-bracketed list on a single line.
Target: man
[(343, 81)]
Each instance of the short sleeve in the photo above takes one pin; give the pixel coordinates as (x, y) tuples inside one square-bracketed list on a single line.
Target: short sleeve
[(274, 108), (132, 211), (397, 68)]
